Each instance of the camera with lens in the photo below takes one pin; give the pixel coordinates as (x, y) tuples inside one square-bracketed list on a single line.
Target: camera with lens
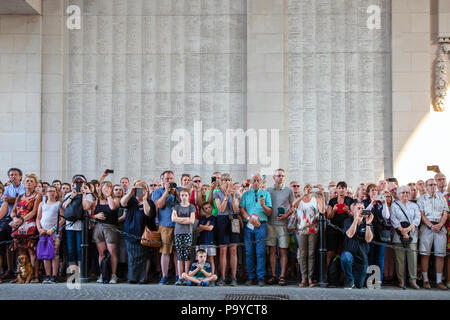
[(173, 185)]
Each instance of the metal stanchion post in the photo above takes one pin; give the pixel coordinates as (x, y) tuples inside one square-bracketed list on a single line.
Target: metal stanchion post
[(323, 251), (85, 249)]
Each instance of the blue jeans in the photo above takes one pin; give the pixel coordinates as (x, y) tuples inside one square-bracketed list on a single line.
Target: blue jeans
[(255, 239), (74, 246), (353, 271), (376, 256)]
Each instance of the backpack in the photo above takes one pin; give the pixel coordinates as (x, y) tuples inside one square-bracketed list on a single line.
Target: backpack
[(105, 268), (335, 274), (74, 210)]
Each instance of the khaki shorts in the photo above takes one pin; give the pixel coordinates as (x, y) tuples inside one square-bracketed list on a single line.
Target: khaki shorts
[(427, 238), (278, 234), (166, 237), (104, 234), (210, 249)]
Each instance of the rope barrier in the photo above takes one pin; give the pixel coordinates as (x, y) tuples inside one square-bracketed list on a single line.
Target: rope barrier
[(138, 238)]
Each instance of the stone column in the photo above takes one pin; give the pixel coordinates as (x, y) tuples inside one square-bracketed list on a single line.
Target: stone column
[(52, 88)]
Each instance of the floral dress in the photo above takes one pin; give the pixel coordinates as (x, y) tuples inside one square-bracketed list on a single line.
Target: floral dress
[(24, 207), (308, 217)]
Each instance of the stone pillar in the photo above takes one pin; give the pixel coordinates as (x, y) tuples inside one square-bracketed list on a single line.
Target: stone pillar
[(52, 89), (338, 91), (266, 107), (138, 70), (410, 86)]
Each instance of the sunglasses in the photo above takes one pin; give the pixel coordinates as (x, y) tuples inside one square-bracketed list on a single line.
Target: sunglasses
[(295, 186), (153, 185), (196, 181)]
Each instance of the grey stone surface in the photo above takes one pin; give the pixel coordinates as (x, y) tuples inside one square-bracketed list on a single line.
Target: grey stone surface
[(138, 70), (338, 96), (93, 291)]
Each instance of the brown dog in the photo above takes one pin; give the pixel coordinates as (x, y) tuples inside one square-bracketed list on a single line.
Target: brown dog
[(24, 269)]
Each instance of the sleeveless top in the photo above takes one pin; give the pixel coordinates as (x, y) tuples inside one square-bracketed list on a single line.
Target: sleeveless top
[(112, 216), (308, 215), (25, 206), (49, 215)]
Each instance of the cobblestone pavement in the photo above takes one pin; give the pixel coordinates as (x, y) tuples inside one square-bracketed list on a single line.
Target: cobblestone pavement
[(123, 291)]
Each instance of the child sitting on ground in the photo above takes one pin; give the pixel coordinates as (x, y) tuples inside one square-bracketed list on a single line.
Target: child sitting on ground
[(200, 272)]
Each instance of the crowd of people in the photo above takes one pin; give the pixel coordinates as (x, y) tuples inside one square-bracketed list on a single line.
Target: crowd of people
[(259, 231)]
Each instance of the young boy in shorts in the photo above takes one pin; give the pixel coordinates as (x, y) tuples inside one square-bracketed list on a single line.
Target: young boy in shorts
[(200, 272), (206, 238)]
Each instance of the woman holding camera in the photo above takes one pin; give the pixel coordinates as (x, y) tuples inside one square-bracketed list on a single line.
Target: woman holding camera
[(227, 203), (309, 208), (405, 218), (105, 236), (378, 206), (73, 229), (141, 211)]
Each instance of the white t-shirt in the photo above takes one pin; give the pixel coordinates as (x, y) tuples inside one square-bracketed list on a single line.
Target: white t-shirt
[(49, 215), (77, 225)]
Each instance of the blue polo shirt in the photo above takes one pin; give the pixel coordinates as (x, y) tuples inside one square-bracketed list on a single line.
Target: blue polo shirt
[(12, 191), (253, 206), (165, 213)]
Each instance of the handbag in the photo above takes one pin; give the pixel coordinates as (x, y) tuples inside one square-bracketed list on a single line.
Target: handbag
[(292, 223), (235, 225), (382, 230), (404, 224), (151, 238), (45, 248), (25, 230)]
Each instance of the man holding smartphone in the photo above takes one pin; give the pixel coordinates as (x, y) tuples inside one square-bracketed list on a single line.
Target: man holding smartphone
[(277, 233), (255, 206)]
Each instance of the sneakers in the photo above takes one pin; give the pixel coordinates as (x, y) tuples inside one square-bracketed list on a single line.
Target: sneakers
[(189, 283), (46, 280), (113, 279), (163, 281), (204, 283), (250, 282), (52, 280), (261, 282), (100, 279), (426, 285), (349, 285), (179, 282), (234, 282), (221, 282)]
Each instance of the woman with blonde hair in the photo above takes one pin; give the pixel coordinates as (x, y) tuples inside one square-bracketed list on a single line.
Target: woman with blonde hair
[(25, 210), (105, 236), (309, 209), (227, 203)]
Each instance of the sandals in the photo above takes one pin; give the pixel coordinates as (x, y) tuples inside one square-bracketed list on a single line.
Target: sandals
[(312, 284), (303, 284), (282, 281), (272, 280), (35, 280)]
